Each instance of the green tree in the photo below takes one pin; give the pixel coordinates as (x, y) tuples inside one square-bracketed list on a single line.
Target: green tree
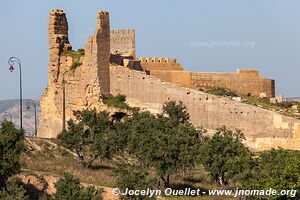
[(167, 145), (91, 136), (176, 111), (11, 146), (69, 188), (13, 190), (225, 157), (277, 169), (133, 177)]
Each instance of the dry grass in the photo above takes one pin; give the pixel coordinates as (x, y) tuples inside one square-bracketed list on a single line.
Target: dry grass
[(55, 161)]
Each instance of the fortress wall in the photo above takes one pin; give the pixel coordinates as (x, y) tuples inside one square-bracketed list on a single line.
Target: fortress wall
[(243, 82), (240, 83), (122, 41), (149, 64), (178, 77), (263, 129)]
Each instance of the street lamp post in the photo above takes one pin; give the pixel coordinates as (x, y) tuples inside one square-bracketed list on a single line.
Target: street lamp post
[(63, 100), (28, 102), (12, 61)]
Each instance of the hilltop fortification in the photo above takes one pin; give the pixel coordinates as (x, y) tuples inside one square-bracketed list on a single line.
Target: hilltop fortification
[(109, 64)]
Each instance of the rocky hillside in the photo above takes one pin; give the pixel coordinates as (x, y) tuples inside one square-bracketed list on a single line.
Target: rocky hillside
[(10, 109)]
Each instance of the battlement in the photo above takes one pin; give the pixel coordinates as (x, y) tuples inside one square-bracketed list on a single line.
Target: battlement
[(122, 31), (157, 60), (248, 72)]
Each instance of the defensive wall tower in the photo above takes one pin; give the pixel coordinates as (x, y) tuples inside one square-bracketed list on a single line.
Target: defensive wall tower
[(122, 42)]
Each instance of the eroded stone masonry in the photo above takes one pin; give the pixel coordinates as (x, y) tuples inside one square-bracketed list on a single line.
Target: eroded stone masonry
[(110, 65)]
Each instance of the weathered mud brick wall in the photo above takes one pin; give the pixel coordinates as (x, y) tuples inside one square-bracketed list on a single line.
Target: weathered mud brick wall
[(122, 41), (83, 86), (243, 82), (178, 77), (149, 64), (263, 129)]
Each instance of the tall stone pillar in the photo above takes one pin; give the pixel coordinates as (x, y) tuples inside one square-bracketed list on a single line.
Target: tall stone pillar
[(103, 50), (58, 42)]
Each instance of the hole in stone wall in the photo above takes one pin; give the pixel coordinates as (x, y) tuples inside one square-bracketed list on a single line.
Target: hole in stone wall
[(143, 77)]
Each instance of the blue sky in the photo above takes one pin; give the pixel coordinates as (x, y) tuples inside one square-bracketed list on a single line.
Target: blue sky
[(204, 35)]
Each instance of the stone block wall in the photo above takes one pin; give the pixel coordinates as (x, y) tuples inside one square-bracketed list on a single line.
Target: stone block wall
[(263, 129)]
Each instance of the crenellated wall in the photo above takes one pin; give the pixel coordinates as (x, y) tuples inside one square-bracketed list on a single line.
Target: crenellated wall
[(263, 129), (149, 64), (243, 82)]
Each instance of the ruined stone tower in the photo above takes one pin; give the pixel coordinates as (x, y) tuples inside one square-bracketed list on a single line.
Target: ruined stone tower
[(103, 50), (58, 41), (80, 87)]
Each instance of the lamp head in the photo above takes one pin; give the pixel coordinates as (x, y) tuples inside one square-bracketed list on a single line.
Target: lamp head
[(11, 68)]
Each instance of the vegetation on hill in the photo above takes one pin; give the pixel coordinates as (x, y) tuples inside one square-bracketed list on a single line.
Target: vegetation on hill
[(221, 92), (285, 107), (68, 188)]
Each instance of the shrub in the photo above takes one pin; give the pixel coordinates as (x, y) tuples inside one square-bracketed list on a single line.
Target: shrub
[(221, 92), (69, 188), (76, 55), (13, 190), (117, 101), (133, 177)]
